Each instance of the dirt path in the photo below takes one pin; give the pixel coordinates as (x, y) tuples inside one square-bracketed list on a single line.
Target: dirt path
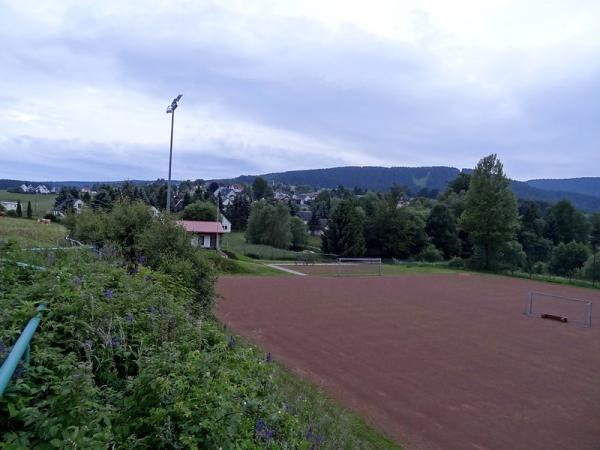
[(436, 361)]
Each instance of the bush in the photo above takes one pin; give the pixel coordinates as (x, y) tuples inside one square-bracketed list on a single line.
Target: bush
[(540, 268), (430, 254), (51, 217), (11, 213), (568, 258), (200, 211), (456, 263), (588, 268)]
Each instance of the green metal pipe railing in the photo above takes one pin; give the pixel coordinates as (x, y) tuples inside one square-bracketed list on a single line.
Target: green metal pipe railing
[(19, 351)]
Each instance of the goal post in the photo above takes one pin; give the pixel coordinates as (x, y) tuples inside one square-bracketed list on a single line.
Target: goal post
[(359, 266), (573, 310)]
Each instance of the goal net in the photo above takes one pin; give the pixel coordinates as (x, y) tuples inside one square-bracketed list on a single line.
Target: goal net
[(358, 266), (556, 307)]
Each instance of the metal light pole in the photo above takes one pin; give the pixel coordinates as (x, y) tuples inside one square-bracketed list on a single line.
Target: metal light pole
[(171, 110)]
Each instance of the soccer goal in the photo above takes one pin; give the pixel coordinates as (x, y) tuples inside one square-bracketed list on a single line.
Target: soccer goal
[(563, 309), (358, 266)]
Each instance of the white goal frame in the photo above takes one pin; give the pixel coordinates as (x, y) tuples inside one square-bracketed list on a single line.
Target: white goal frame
[(535, 297), (358, 261)]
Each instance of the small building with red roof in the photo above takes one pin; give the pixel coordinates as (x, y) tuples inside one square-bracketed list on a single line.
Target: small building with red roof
[(205, 234)]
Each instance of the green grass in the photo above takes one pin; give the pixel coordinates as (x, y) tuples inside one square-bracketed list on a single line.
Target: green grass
[(415, 268), (236, 243), (30, 233), (40, 204)]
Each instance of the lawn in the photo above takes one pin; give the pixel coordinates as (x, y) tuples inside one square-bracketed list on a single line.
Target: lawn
[(236, 243), (30, 233), (40, 204)]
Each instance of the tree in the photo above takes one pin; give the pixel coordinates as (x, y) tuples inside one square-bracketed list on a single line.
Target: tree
[(394, 232), (200, 211), (530, 235), (567, 258), (269, 225), (565, 224), (261, 189), (299, 232), (441, 228), (19, 209), (239, 211), (344, 236), (595, 244), (512, 256), (314, 224), (490, 215), (29, 211)]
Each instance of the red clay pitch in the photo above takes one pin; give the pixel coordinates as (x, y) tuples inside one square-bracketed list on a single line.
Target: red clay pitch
[(435, 361)]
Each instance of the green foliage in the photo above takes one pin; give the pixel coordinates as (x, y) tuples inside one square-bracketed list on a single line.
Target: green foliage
[(200, 211), (261, 189), (565, 224), (441, 228), (299, 232), (269, 225), (19, 209), (239, 211), (456, 263), (29, 210), (591, 268), (430, 254), (595, 231), (344, 237), (490, 215), (511, 256), (568, 258), (394, 232), (236, 244)]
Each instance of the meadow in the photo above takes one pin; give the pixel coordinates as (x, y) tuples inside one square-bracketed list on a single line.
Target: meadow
[(30, 233), (40, 204)]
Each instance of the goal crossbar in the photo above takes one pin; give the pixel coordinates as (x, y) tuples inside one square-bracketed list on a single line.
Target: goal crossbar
[(357, 262)]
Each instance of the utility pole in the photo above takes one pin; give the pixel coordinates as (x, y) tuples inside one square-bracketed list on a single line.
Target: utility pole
[(171, 110)]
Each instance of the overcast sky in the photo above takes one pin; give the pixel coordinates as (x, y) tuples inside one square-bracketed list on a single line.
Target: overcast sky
[(275, 85)]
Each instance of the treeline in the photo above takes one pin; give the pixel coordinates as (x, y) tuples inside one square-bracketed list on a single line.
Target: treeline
[(476, 222)]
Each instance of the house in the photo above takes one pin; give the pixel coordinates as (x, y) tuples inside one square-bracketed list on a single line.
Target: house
[(9, 206), (59, 210), (205, 234), (225, 223), (305, 216)]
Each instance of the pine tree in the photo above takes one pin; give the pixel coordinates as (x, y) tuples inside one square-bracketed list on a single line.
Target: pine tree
[(19, 209), (344, 237), (29, 211)]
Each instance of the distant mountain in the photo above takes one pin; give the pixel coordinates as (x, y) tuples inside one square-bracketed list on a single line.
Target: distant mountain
[(525, 191), (586, 186), (377, 178)]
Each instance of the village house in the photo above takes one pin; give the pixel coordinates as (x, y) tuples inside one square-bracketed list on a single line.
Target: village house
[(204, 234)]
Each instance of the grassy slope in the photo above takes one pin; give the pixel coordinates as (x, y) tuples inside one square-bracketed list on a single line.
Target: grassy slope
[(41, 204), (30, 233), (236, 243)]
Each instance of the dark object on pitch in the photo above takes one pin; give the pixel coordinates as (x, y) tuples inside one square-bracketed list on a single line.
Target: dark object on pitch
[(554, 317)]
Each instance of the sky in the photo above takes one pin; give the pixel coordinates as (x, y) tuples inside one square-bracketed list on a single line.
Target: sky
[(273, 85)]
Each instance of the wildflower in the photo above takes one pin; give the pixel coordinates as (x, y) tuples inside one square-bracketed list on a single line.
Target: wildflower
[(88, 343), (269, 358), (115, 343), (129, 317), (148, 277), (230, 343), (259, 427), (18, 373), (309, 434), (142, 259), (108, 293)]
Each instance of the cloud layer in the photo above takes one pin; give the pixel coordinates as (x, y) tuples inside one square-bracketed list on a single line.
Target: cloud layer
[(270, 86)]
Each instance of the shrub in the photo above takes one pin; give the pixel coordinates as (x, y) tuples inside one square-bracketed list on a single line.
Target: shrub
[(430, 254), (540, 268), (11, 213), (51, 217), (588, 272), (456, 263), (200, 211)]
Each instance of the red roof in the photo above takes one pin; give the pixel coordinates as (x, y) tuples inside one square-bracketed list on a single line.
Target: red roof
[(199, 226)]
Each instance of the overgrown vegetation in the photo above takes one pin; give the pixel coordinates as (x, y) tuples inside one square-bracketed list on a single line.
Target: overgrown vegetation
[(128, 355)]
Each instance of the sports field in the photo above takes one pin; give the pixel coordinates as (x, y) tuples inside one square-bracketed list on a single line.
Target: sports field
[(445, 361)]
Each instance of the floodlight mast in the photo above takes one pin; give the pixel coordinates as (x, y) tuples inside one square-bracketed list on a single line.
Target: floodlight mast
[(171, 110)]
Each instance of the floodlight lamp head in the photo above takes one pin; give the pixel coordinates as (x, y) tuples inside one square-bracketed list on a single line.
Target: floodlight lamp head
[(173, 106)]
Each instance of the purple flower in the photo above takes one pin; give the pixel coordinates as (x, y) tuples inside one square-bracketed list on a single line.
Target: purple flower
[(230, 343), (18, 373), (269, 358), (108, 293), (115, 343), (259, 427), (129, 317), (88, 343), (309, 434), (142, 259), (148, 277)]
